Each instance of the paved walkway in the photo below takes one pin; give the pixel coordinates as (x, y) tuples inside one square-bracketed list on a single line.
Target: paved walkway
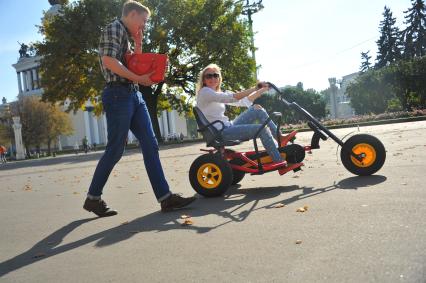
[(369, 229)]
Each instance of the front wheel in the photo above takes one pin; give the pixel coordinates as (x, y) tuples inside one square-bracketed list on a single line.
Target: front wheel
[(210, 175), (372, 150)]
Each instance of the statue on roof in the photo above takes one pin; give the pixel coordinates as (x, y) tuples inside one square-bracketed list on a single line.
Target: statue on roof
[(23, 51)]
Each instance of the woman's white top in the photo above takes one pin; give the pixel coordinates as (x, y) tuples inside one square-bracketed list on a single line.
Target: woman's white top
[(212, 104)]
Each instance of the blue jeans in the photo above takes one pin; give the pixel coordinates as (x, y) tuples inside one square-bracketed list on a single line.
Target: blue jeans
[(246, 125), (125, 109)]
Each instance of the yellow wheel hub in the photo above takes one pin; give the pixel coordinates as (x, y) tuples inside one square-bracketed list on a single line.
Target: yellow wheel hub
[(209, 175), (369, 155)]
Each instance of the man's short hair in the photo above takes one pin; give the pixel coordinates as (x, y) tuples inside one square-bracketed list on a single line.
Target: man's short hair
[(134, 5)]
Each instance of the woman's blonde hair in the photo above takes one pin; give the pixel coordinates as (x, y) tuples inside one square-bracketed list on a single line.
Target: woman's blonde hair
[(200, 81)]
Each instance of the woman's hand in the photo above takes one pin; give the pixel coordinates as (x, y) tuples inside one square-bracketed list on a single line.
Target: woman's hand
[(262, 85)]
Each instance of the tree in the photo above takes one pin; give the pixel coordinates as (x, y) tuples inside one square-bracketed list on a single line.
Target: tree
[(414, 35), (368, 93), (309, 99), (58, 124), (365, 63), (41, 122), (204, 31), (388, 45)]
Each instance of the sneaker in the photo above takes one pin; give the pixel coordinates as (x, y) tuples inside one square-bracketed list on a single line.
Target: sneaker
[(289, 167), (288, 138), (99, 207), (174, 202)]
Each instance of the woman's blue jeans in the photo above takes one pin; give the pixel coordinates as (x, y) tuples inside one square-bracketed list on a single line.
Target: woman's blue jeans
[(246, 125), (125, 109)]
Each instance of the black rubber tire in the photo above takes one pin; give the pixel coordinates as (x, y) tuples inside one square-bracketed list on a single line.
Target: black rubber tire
[(372, 141), (225, 173), (237, 174)]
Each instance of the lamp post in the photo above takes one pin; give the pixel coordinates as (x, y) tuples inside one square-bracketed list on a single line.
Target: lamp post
[(250, 8)]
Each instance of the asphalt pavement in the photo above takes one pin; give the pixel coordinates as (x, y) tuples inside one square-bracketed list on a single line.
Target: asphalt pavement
[(356, 229)]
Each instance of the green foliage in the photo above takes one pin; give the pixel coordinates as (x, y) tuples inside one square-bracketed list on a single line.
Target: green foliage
[(388, 43), (365, 61), (203, 32), (414, 35), (193, 33), (398, 81), (41, 122), (398, 86), (309, 99)]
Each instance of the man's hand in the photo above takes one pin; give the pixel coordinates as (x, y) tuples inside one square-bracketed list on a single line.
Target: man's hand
[(138, 41), (145, 79)]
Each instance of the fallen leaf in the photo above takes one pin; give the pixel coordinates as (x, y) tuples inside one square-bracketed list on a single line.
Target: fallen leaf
[(306, 208), (298, 242), (296, 176), (141, 193), (188, 222), (184, 216), (279, 205), (125, 223), (300, 209), (75, 193), (404, 184)]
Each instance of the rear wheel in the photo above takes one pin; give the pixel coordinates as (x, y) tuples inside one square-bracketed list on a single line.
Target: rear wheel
[(372, 150), (210, 175)]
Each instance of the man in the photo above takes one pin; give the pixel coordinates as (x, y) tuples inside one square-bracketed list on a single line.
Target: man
[(125, 109)]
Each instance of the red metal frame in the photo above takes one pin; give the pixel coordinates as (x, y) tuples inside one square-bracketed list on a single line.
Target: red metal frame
[(229, 155)]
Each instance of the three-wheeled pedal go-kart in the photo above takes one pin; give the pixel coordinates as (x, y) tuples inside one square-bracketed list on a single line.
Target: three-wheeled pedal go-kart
[(211, 174)]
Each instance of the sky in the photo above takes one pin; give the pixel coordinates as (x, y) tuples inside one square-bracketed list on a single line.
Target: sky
[(304, 41)]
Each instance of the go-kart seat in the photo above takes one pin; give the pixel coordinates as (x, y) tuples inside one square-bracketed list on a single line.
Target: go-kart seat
[(211, 135)]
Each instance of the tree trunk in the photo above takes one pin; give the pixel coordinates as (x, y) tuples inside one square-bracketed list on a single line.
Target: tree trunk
[(151, 99), (49, 141)]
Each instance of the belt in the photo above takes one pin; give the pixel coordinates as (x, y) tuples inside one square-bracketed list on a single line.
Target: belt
[(129, 85)]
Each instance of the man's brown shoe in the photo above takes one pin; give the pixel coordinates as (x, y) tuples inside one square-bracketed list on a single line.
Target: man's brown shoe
[(98, 207), (174, 202)]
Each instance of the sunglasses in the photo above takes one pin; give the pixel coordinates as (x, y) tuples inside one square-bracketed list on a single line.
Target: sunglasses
[(211, 76)]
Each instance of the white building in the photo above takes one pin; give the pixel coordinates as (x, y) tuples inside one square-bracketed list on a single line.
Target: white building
[(339, 101)]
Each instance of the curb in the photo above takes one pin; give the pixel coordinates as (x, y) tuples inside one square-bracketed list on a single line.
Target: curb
[(370, 123)]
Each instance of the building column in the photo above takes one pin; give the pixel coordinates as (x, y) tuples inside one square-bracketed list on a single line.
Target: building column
[(172, 119), (28, 75), (24, 81), (19, 82), (19, 146), (104, 122), (59, 144), (34, 78), (165, 124), (95, 129), (87, 126)]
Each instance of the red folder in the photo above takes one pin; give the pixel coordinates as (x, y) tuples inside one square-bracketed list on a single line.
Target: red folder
[(145, 63)]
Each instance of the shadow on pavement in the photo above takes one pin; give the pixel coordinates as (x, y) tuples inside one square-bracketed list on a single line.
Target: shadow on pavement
[(235, 206)]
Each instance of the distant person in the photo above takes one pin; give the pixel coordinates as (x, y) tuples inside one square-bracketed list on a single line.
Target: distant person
[(85, 143), (125, 109), (3, 152), (94, 146)]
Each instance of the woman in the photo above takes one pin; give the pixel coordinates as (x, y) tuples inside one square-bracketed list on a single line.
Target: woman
[(211, 100)]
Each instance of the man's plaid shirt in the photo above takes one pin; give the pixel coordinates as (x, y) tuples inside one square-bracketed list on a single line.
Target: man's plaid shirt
[(114, 42)]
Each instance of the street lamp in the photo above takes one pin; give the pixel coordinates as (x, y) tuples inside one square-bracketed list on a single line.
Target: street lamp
[(250, 8)]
